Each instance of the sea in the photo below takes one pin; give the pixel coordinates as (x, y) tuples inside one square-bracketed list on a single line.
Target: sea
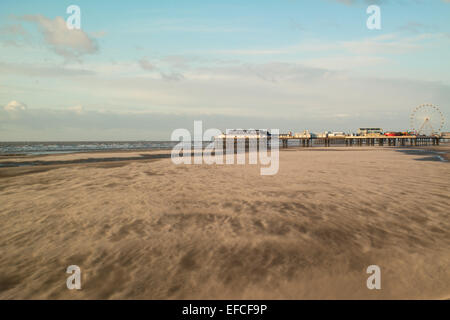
[(57, 147)]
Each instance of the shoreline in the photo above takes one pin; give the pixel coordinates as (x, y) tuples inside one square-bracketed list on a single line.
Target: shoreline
[(12, 161)]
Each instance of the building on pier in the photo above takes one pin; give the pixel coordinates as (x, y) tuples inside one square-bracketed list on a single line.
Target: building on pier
[(368, 132), (245, 134)]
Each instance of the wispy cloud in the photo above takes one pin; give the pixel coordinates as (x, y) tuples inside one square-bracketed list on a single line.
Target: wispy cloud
[(39, 70), (13, 35), (386, 44), (146, 65)]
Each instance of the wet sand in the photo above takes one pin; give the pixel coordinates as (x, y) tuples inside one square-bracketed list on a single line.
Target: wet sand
[(141, 227)]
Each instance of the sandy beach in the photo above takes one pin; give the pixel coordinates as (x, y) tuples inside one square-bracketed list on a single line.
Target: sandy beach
[(140, 227)]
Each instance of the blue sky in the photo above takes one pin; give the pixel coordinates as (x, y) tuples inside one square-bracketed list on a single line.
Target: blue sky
[(140, 69)]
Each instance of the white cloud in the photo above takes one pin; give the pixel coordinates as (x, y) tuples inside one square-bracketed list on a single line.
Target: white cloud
[(70, 44), (15, 106), (77, 109)]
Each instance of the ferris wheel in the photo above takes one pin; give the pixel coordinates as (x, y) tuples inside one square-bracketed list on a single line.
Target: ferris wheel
[(427, 119)]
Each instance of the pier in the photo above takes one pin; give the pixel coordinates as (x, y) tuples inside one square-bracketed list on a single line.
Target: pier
[(286, 141), (350, 141)]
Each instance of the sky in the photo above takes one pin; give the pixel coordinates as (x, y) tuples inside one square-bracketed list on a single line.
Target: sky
[(137, 70)]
